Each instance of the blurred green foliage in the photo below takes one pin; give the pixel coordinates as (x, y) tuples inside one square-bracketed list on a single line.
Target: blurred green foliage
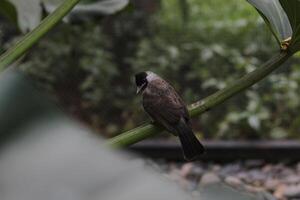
[(200, 48)]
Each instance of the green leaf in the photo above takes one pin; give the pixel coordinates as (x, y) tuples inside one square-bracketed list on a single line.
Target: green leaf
[(275, 17), (292, 9), (9, 11)]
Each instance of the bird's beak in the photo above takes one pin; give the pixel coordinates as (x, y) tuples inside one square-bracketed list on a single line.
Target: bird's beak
[(139, 89)]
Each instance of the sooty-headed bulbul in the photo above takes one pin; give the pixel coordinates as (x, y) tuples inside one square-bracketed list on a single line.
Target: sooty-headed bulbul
[(165, 107)]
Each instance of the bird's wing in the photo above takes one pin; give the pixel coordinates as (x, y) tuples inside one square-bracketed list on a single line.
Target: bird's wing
[(165, 107)]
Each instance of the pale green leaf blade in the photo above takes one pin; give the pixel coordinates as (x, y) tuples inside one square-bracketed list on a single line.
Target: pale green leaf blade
[(272, 11)]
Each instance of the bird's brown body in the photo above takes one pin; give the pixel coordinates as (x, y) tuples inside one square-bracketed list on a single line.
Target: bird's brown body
[(164, 105)]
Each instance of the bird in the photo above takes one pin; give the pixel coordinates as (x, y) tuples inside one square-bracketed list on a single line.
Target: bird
[(166, 108)]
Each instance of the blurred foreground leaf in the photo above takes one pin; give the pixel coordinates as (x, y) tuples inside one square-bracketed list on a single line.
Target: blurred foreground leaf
[(20, 104)]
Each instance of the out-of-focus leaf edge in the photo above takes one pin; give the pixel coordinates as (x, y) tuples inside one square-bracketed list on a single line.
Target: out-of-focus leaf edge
[(8, 10)]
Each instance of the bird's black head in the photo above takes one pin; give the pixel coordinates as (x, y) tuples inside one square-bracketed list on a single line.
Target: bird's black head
[(141, 81), (140, 78)]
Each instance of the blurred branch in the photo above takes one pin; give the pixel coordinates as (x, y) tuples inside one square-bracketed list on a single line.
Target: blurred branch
[(185, 11), (32, 37), (147, 130)]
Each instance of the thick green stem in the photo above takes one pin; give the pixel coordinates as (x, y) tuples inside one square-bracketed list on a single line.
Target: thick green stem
[(147, 130), (32, 37)]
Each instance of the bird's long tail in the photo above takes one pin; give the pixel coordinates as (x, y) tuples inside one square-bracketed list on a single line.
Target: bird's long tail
[(191, 146)]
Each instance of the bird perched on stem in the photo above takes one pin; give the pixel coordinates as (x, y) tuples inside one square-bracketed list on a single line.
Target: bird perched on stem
[(165, 107)]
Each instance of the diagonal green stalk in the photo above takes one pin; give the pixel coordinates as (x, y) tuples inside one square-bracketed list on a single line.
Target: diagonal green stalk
[(32, 37), (148, 130)]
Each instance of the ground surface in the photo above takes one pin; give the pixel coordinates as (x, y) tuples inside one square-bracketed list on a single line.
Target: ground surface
[(255, 177)]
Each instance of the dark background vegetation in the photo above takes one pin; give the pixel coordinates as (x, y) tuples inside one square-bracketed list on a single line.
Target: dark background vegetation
[(88, 66)]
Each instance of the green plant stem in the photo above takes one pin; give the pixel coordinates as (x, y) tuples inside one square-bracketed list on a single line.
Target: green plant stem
[(147, 130), (32, 37)]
